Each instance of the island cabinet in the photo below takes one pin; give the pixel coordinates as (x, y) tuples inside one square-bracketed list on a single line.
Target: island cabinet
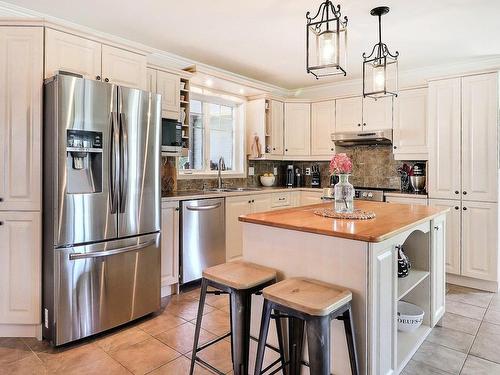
[(361, 256), (169, 247), (297, 129), (411, 134), (93, 60)]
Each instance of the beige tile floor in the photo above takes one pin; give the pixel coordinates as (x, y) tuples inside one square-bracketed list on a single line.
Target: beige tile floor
[(468, 342)]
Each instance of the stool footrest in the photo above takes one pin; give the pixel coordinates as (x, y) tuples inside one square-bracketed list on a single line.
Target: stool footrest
[(211, 342), (208, 365)]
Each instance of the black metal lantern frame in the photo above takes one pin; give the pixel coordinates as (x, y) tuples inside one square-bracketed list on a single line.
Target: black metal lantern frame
[(328, 19), (383, 60)]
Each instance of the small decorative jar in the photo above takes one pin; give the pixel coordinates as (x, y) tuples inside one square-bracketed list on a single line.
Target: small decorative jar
[(344, 195)]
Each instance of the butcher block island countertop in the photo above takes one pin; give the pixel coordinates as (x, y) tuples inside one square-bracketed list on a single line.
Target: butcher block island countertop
[(390, 220), (362, 256)]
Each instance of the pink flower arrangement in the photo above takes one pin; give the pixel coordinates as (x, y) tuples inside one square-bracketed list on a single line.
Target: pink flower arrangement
[(340, 164)]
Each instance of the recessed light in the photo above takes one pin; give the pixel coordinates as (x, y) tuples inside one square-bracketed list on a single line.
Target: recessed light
[(242, 91), (209, 82)]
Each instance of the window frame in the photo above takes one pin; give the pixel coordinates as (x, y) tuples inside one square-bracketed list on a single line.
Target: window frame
[(239, 155)]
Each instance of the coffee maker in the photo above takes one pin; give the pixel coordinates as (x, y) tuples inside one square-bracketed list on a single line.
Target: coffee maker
[(290, 176), (315, 176)]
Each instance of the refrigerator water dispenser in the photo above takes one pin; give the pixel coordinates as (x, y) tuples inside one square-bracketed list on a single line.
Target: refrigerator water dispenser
[(84, 162)]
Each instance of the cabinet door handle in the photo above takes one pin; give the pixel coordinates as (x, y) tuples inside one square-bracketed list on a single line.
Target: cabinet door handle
[(465, 208), (395, 147), (106, 79), (457, 192), (464, 193), (364, 123), (1, 199), (1, 222), (436, 228), (331, 149), (456, 207), (286, 150), (249, 202), (177, 208), (274, 148), (253, 201), (359, 124), (98, 78)]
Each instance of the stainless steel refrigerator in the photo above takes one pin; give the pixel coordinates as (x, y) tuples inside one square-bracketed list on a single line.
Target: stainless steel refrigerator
[(101, 227)]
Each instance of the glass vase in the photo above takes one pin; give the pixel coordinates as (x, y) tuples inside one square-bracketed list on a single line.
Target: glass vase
[(344, 195)]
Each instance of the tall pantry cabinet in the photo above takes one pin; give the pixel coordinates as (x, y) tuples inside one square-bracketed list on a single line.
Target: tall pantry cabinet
[(463, 170), (21, 82)]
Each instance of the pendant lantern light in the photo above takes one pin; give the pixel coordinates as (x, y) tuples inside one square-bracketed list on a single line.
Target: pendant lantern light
[(380, 67), (326, 41)]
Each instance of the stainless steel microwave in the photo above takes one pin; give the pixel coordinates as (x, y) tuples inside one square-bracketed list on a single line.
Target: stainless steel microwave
[(171, 136)]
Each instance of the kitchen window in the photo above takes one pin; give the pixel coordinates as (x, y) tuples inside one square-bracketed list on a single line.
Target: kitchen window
[(216, 131)]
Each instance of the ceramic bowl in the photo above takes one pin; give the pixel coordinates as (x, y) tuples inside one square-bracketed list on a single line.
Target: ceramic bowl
[(267, 181), (410, 316)]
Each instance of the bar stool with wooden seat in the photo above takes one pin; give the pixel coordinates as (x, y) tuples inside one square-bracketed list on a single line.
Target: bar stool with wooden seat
[(314, 303), (240, 280)]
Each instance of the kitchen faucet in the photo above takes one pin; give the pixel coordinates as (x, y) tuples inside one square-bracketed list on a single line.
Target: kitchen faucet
[(221, 166)]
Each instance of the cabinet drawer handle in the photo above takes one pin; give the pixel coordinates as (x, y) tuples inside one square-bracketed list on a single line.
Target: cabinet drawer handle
[(98, 78), (106, 79), (281, 199)]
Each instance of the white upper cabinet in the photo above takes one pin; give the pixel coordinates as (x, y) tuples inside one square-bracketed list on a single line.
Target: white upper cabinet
[(71, 53), (297, 129), (479, 240), (123, 67), (453, 233), (479, 137), (349, 114), (444, 139), (168, 86), (275, 123), (151, 80), (21, 82), (377, 114), (322, 126), (20, 266), (410, 137)]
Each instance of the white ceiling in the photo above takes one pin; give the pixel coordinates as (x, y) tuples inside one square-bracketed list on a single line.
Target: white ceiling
[(265, 39)]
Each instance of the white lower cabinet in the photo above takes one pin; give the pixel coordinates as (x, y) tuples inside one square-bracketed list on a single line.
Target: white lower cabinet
[(480, 240), (453, 233), (169, 246), (20, 267), (235, 207), (310, 197)]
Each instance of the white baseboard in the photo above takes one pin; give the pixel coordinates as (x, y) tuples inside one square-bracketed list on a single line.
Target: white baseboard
[(490, 286), (21, 330), (169, 290)]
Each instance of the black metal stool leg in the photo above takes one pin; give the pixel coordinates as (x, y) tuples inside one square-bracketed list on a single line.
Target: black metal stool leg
[(295, 341), (318, 342), (264, 329), (203, 294), (351, 341), (281, 343), (240, 328)]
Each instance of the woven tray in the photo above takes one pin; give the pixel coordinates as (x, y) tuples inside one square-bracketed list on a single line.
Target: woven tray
[(356, 215)]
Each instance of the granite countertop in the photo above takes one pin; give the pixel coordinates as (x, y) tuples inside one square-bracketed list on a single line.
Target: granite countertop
[(391, 219), (406, 194), (203, 194)]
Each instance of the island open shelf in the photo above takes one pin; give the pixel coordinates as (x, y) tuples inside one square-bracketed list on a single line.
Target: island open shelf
[(406, 284)]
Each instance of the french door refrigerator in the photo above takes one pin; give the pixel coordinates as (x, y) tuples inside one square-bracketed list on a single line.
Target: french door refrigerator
[(101, 227)]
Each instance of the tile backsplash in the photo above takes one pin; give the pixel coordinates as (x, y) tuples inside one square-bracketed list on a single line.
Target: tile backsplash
[(373, 166)]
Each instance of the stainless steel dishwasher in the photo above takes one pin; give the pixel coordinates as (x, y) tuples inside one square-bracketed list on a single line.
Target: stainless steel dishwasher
[(203, 236)]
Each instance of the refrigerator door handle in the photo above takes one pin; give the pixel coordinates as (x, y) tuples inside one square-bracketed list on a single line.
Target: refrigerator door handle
[(115, 162), (123, 163), (203, 208), (98, 254)]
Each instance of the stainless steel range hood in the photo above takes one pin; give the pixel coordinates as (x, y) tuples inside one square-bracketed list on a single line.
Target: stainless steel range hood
[(377, 137)]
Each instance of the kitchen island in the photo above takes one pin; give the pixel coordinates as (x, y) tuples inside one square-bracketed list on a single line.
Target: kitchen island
[(362, 256)]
